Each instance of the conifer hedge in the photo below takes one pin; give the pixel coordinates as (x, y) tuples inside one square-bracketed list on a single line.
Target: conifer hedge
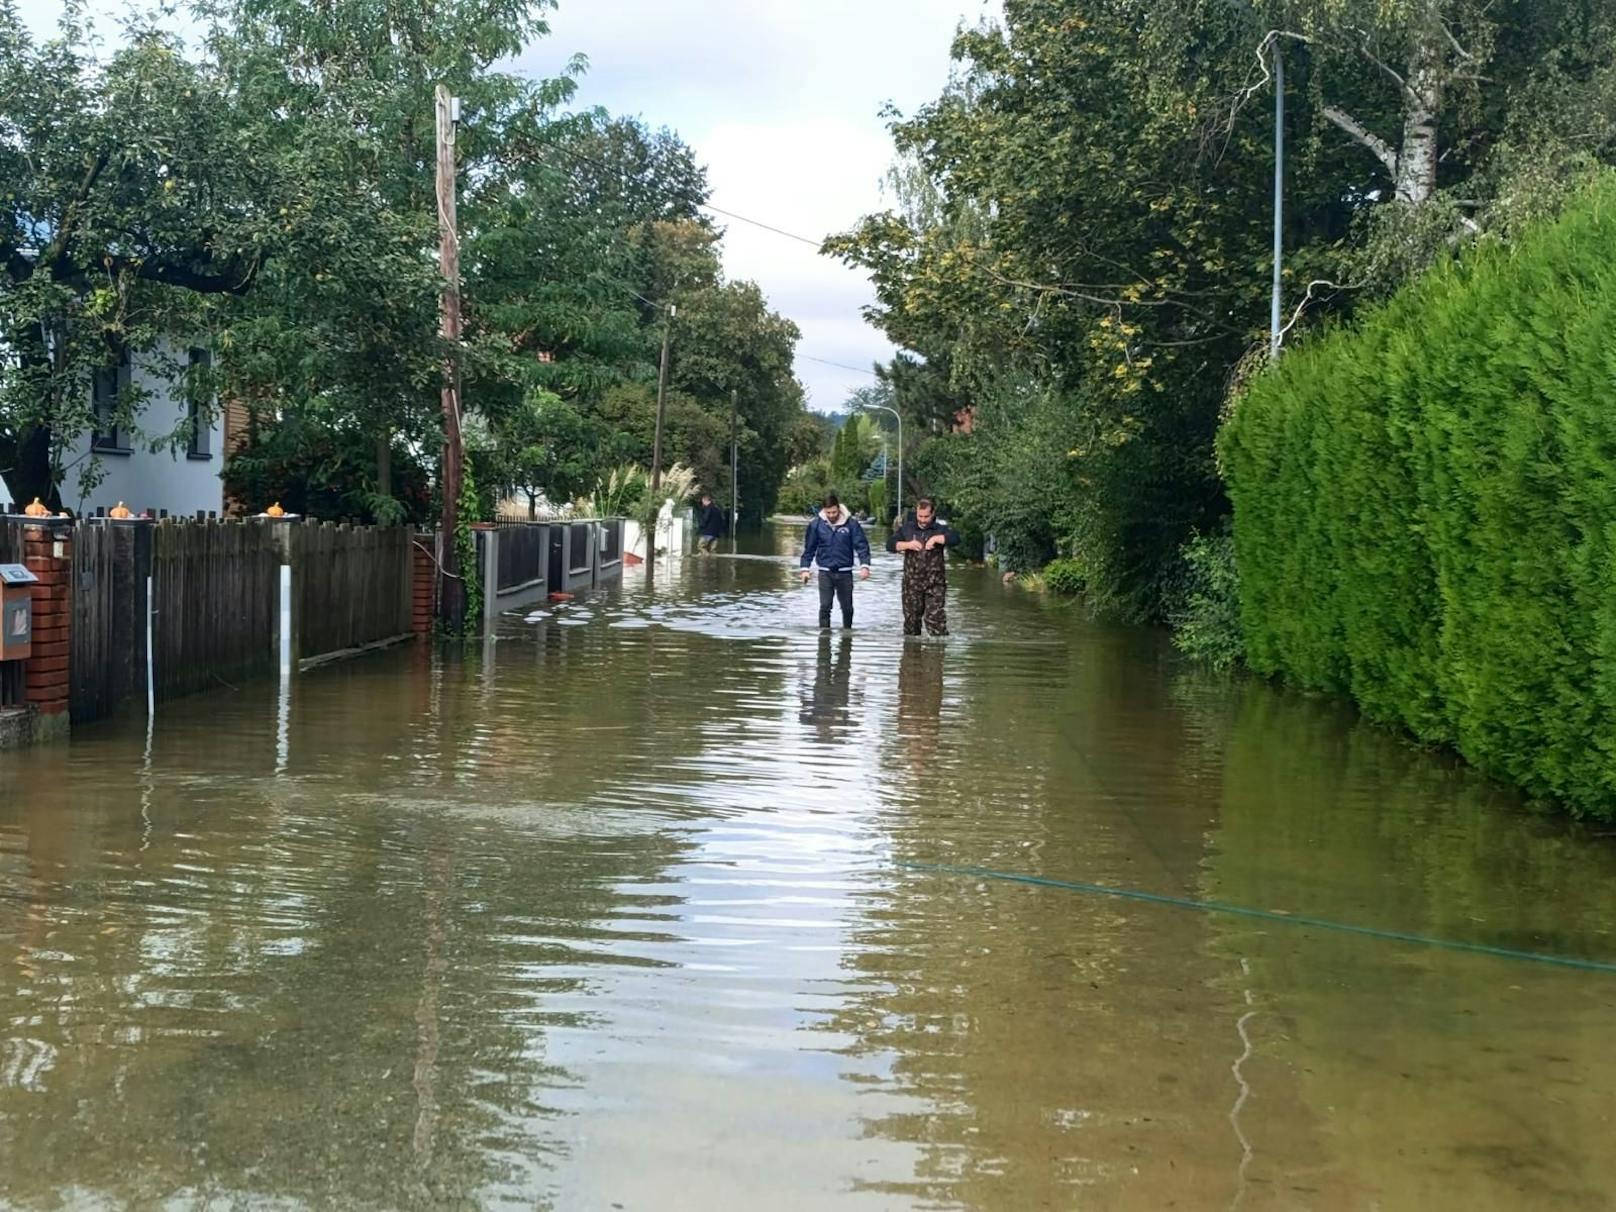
[(1425, 509)]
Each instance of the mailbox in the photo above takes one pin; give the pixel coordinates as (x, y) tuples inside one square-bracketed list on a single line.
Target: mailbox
[(16, 612)]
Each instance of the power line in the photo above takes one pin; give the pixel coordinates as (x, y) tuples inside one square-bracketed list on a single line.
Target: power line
[(769, 227), (858, 370), (624, 286), (575, 154), (779, 231), (627, 289)]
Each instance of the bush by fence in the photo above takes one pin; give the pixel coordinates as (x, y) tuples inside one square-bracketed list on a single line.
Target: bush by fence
[(1425, 509)]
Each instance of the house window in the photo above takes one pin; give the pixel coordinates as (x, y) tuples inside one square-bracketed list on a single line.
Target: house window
[(111, 382), (198, 415)]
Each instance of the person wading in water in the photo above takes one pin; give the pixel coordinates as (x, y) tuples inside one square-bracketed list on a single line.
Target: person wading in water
[(923, 538), (710, 523), (837, 541)]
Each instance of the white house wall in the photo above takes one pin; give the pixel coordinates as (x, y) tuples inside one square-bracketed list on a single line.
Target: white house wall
[(171, 480)]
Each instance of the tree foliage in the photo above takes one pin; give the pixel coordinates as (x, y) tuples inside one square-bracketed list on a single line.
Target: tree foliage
[(1078, 251), (269, 192)]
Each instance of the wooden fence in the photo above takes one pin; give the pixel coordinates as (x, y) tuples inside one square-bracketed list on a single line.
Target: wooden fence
[(352, 586), (11, 676), (215, 608), (215, 590), (108, 664)]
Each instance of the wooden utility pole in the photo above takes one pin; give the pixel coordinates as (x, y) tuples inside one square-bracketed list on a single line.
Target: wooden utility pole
[(656, 441), (451, 588)]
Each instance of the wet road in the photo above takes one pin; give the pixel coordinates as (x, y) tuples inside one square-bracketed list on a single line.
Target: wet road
[(637, 907)]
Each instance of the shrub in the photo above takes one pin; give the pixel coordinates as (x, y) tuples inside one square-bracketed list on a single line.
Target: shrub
[(880, 501), (1205, 609), (805, 488), (327, 472), (621, 493), (1064, 576), (1424, 503), (1023, 544)]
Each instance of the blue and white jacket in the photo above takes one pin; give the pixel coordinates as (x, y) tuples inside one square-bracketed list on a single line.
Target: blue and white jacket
[(836, 542)]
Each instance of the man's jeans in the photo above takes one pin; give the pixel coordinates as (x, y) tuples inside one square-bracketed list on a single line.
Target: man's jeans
[(840, 586)]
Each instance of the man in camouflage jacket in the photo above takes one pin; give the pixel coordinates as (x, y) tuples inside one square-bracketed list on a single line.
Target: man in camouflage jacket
[(923, 539)]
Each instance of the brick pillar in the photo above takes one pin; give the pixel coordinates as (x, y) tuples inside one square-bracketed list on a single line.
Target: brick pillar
[(49, 556), (423, 589)]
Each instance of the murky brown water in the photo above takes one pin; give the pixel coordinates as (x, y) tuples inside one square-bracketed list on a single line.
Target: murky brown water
[(618, 913)]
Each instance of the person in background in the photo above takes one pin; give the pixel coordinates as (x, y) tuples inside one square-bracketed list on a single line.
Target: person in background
[(923, 538), (709, 524), (837, 542)]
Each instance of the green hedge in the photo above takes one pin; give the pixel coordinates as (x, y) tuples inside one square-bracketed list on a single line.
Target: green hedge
[(1425, 509)]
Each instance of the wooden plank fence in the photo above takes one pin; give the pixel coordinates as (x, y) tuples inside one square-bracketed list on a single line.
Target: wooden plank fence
[(352, 586), (215, 590), (216, 603), (11, 552), (108, 664)]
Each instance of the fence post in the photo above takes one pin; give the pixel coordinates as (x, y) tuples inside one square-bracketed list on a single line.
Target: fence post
[(423, 606), (488, 548), (151, 667), (285, 620)]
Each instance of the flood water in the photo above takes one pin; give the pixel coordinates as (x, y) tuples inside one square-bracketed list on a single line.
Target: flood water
[(661, 900)]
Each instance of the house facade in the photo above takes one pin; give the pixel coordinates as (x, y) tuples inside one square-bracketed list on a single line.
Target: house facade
[(180, 481)]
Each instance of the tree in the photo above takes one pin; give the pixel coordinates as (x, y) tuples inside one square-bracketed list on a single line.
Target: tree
[(1078, 254), (130, 192), (265, 195), (269, 192), (552, 449), (810, 438), (349, 329)]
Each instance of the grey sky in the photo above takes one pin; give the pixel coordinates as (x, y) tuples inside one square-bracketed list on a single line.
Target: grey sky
[(781, 100)]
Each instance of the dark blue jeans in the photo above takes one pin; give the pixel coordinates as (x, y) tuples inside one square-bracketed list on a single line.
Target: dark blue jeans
[(840, 586)]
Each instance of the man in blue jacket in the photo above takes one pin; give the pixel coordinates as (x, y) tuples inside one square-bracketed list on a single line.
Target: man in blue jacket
[(837, 542)]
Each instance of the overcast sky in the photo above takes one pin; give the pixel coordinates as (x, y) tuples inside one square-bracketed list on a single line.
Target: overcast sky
[(781, 99)]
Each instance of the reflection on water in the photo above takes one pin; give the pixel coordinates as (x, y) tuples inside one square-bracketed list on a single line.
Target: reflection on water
[(615, 910)]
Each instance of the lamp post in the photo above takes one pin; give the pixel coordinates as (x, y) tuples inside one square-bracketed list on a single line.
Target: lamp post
[(1275, 333), (896, 413), (734, 472)]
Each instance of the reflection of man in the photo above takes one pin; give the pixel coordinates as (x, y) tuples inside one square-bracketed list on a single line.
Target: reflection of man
[(922, 539), (836, 541), (825, 704), (920, 691), (709, 524)]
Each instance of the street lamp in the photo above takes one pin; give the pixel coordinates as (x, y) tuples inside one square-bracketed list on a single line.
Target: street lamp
[(896, 413)]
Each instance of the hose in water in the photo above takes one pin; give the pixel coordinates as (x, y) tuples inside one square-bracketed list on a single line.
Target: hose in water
[(1266, 915)]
